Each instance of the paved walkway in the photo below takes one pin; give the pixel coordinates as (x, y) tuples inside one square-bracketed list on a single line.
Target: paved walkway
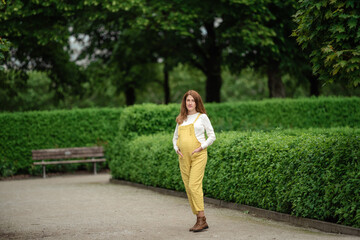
[(89, 207)]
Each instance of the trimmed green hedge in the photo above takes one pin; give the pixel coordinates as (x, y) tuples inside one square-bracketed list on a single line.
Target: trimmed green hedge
[(22, 132), (312, 173), (324, 112)]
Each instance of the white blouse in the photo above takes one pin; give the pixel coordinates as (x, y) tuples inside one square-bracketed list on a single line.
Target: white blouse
[(201, 125)]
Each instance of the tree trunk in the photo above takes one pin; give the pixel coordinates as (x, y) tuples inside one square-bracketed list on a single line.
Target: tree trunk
[(212, 68), (314, 84), (213, 86), (130, 95), (275, 84), (166, 83)]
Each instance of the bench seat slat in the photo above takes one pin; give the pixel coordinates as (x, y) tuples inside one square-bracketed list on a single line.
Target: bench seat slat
[(75, 149), (70, 161), (63, 156), (66, 153)]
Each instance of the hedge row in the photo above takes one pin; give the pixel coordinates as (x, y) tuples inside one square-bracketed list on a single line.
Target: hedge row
[(303, 173), (22, 132), (325, 112)]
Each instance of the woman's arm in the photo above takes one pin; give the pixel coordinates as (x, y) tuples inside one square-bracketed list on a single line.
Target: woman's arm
[(209, 131), (175, 138)]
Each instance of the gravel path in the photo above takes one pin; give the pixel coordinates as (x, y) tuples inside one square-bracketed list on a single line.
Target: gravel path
[(89, 207)]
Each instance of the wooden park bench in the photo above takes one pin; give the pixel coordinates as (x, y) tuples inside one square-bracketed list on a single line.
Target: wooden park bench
[(78, 155)]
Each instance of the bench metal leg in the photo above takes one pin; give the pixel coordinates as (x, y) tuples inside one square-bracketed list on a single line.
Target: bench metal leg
[(94, 168), (44, 171)]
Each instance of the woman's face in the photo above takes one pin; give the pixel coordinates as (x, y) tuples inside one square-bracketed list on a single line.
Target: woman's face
[(190, 103)]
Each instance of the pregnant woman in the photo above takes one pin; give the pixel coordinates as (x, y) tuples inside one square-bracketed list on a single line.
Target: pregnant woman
[(191, 146)]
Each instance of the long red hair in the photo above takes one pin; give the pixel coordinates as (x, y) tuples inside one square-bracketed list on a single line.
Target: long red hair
[(183, 110)]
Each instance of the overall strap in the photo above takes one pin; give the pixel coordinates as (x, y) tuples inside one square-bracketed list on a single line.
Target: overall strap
[(197, 118)]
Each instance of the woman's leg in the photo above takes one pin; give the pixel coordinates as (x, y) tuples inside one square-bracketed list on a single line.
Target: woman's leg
[(197, 171), (196, 176), (200, 214), (185, 167)]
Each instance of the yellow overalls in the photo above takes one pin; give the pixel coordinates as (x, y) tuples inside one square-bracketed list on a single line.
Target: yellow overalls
[(192, 167)]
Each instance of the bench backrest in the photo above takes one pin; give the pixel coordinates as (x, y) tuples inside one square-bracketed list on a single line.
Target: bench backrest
[(65, 153)]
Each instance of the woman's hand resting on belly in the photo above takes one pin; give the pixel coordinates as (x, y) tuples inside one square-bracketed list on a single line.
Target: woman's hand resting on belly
[(197, 150)]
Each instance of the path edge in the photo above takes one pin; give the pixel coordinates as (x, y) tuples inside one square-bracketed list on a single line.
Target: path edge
[(257, 212)]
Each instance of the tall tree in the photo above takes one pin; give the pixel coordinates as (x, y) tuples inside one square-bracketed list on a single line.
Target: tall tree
[(111, 36), (282, 57), (205, 30), (39, 33), (330, 30), (132, 62)]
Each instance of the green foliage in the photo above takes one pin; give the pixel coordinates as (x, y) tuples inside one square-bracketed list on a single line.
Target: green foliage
[(198, 34), (32, 90), (148, 119), (247, 85), (184, 77), (204, 32), (112, 38), (147, 160), (22, 132), (330, 30), (25, 91), (4, 49), (100, 89), (7, 167), (308, 173), (39, 32), (284, 53)]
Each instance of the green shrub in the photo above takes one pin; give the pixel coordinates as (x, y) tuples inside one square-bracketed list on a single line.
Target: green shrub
[(307, 173), (147, 160), (322, 112), (22, 132)]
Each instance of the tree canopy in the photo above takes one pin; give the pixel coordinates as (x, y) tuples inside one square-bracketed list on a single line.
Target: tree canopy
[(205, 31), (39, 34), (131, 46), (330, 30)]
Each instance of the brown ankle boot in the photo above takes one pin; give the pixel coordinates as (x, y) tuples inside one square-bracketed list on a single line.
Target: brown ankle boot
[(201, 224), (192, 229)]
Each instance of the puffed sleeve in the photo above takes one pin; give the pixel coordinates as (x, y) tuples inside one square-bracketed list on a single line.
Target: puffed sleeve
[(175, 137), (209, 132)]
